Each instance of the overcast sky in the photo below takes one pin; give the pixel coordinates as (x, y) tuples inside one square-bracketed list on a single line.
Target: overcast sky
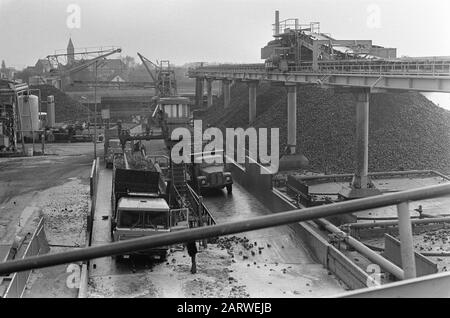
[(213, 30)]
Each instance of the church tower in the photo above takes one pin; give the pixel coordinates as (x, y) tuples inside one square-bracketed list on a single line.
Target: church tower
[(70, 53)]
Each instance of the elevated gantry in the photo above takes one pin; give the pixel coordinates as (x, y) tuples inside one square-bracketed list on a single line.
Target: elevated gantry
[(301, 54)]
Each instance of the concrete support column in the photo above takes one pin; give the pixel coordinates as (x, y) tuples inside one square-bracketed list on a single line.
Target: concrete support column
[(199, 92), (292, 118), (361, 180), (226, 84), (406, 241), (315, 57), (209, 82), (252, 101), (50, 111)]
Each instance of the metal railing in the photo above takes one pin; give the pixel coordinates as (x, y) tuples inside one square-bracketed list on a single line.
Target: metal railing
[(38, 244), (400, 199), (93, 181), (410, 67), (204, 212)]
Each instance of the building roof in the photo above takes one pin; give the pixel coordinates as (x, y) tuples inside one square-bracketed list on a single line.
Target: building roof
[(43, 62), (130, 203), (114, 64), (116, 78)]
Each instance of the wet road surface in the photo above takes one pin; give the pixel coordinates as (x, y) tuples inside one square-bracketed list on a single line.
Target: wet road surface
[(284, 245)]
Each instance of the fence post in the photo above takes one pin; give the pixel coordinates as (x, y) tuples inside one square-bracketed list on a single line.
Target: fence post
[(406, 240), (200, 213)]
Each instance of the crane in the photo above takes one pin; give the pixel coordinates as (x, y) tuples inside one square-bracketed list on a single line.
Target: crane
[(64, 73), (163, 76)]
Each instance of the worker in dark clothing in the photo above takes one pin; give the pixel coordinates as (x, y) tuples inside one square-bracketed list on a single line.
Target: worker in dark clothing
[(192, 251)]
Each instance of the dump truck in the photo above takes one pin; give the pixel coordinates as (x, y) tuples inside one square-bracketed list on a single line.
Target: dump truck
[(141, 204)]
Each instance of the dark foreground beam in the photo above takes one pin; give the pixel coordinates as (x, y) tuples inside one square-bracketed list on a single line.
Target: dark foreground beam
[(299, 215)]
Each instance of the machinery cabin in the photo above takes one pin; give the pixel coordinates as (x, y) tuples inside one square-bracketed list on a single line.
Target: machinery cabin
[(173, 112)]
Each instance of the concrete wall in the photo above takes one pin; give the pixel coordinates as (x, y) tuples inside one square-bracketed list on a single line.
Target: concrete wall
[(324, 253)]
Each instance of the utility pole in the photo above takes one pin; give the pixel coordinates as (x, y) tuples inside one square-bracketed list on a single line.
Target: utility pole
[(95, 112)]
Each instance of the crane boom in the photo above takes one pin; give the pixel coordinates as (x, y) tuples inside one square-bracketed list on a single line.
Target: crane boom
[(164, 77), (88, 63), (144, 62)]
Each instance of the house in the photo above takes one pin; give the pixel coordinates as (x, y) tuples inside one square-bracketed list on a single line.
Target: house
[(110, 67), (7, 72), (42, 66), (117, 78)]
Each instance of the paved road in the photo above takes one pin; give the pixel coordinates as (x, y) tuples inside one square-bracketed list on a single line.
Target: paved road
[(286, 268), (21, 179)]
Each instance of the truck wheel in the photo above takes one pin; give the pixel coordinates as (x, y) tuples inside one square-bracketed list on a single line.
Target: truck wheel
[(229, 188)]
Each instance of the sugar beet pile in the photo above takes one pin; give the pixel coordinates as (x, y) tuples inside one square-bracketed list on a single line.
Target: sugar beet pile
[(407, 131)]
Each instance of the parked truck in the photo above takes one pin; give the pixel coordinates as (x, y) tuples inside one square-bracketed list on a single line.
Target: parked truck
[(210, 173), (141, 205)]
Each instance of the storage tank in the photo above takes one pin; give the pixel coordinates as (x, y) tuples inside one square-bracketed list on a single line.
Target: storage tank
[(29, 114)]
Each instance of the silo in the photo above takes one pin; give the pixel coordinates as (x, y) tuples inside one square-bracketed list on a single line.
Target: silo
[(29, 114)]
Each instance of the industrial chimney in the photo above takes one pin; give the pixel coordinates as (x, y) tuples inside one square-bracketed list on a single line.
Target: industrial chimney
[(277, 22)]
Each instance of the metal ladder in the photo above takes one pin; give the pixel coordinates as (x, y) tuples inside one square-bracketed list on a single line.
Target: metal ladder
[(178, 174)]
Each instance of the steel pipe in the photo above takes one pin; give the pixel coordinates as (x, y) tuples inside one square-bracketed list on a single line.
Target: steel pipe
[(298, 215), (364, 250), (406, 240), (375, 174), (370, 225)]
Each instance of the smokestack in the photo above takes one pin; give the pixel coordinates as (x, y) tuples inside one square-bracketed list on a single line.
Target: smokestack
[(277, 22)]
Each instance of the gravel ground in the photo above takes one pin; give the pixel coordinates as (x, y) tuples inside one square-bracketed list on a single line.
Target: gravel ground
[(227, 269), (437, 241), (65, 210)]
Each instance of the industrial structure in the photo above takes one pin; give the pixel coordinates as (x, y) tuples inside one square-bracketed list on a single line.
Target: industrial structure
[(324, 220), (21, 118), (302, 55)]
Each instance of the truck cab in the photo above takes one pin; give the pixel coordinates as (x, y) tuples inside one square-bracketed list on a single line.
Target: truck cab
[(140, 205), (211, 174), (142, 216)]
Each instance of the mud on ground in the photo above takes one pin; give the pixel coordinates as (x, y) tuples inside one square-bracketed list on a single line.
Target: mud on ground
[(65, 209)]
